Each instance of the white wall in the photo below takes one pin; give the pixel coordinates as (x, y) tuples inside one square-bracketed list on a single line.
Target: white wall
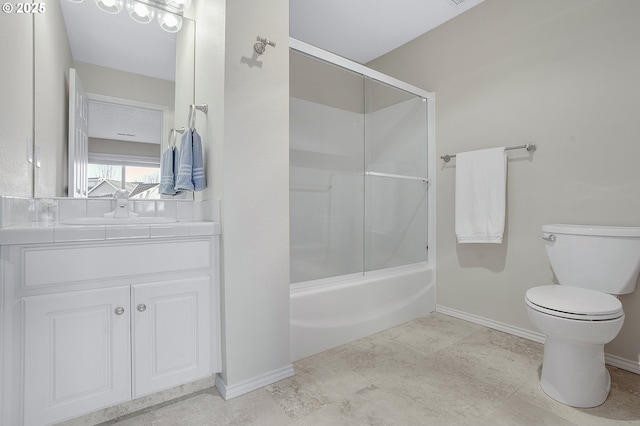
[(16, 115), (246, 134), (563, 75)]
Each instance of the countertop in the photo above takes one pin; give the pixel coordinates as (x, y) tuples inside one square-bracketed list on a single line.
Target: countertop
[(53, 232)]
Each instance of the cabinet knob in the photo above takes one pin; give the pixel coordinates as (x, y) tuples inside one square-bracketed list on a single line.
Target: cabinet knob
[(119, 310), (142, 307)]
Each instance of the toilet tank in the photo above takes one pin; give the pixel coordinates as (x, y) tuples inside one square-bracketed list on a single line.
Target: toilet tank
[(601, 258)]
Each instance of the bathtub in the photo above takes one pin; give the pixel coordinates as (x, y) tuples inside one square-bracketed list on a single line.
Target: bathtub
[(331, 312)]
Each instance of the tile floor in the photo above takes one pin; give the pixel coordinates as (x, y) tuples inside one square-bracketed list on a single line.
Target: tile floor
[(436, 370)]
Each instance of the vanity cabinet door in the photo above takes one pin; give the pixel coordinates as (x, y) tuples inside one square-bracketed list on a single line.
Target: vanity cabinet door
[(77, 353), (172, 326)]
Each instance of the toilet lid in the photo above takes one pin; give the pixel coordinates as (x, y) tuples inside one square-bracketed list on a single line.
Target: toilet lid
[(574, 302)]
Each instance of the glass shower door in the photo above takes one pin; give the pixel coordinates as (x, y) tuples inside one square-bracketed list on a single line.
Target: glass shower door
[(326, 160), (395, 227)]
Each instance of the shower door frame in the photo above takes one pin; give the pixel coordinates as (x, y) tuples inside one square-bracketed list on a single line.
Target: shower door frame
[(429, 97)]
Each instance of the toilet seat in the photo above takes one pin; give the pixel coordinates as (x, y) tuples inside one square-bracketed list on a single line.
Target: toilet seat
[(574, 303)]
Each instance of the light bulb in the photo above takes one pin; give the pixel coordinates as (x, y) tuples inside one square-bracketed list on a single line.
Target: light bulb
[(140, 12), (169, 22), (110, 6)]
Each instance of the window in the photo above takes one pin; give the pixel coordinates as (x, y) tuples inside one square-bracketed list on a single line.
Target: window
[(107, 173)]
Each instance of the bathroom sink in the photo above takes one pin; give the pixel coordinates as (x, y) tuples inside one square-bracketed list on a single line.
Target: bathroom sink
[(140, 220)]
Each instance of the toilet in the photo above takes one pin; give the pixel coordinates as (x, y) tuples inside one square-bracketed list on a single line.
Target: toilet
[(592, 265)]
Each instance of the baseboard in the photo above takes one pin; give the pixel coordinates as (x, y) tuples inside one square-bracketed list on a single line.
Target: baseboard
[(613, 360), (516, 331), (254, 383), (622, 363)]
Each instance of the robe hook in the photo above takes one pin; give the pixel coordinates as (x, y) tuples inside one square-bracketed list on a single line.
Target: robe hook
[(262, 44)]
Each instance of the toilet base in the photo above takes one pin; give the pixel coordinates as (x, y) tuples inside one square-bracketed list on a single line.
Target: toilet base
[(575, 374)]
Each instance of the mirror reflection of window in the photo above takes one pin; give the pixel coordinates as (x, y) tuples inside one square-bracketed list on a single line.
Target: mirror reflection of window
[(107, 174)]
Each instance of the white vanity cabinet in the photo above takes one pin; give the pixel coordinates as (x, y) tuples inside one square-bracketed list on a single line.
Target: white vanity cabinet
[(97, 324), (172, 327), (77, 354)]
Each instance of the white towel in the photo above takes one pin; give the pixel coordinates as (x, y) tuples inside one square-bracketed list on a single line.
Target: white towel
[(481, 182)]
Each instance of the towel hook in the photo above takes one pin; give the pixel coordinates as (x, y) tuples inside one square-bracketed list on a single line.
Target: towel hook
[(262, 44)]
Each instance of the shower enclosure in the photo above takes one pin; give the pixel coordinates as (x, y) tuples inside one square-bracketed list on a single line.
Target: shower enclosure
[(361, 193), (358, 172)]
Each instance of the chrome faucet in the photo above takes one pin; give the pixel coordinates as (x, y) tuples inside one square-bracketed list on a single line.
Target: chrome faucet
[(122, 203), (122, 206)]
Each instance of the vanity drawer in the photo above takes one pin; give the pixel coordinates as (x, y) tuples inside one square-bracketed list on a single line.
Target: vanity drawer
[(69, 264)]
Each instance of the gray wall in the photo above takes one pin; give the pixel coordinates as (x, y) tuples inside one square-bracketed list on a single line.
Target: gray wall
[(246, 138), (125, 85), (561, 74)]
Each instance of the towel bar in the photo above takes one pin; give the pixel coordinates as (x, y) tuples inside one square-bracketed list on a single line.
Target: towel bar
[(192, 113), (529, 147)]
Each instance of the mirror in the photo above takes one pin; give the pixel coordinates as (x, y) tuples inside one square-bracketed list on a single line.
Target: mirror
[(16, 105), (119, 61)]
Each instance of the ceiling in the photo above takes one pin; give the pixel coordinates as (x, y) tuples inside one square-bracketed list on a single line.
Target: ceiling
[(117, 41), (360, 30)]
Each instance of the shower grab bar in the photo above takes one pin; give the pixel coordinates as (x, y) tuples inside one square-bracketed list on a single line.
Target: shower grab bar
[(529, 147), (389, 175)]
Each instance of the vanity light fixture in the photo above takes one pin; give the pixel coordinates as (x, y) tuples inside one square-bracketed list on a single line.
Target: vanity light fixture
[(169, 12)]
